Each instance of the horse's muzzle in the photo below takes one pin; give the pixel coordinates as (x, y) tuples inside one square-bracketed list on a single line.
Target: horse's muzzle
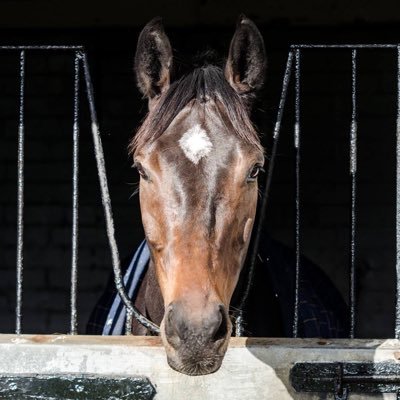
[(196, 339)]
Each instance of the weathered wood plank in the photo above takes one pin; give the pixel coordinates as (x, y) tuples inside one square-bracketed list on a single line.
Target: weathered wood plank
[(252, 369)]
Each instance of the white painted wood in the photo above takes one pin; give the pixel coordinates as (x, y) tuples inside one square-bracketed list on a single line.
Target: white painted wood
[(252, 369)]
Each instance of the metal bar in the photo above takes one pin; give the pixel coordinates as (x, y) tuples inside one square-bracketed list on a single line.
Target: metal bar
[(297, 190), (105, 197), (75, 197), (355, 377), (353, 173), (397, 321), (83, 386), (20, 196), (293, 46), (43, 47), (341, 392), (344, 46), (385, 379), (128, 323), (263, 207)]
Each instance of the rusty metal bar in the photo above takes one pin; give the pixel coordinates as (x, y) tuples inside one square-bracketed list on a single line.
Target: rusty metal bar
[(44, 47), (75, 198), (397, 320), (353, 174), (297, 190), (106, 200), (256, 244), (344, 46), (20, 196)]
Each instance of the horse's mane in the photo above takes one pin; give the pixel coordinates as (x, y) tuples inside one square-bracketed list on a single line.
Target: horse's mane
[(200, 85)]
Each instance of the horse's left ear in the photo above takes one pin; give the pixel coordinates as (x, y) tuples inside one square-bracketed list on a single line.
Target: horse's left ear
[(247, 62)]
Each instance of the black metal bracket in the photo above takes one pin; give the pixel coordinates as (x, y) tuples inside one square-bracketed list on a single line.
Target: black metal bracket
[(77, 387), (341, 379)]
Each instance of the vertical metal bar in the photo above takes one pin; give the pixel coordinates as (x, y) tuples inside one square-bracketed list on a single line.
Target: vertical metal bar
[(353, 173), (263, 207), (297, 201), (106, 200), (20, 196), (75, 197), (128, 323), (397, 322)]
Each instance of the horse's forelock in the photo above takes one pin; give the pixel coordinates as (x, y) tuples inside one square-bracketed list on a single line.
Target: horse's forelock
[(201, 85)]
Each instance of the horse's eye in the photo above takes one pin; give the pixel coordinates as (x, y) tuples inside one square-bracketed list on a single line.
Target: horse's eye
[(141, 171), (254, 173)]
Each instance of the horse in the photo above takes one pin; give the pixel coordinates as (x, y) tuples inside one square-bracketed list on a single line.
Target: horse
[(198, 155)]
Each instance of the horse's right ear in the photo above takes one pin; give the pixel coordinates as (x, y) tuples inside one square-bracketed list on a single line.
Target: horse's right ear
[(153, 59), (246, 64)]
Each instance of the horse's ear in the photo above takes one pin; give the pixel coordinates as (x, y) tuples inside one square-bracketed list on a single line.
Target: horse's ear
[(247, 62), (153, 59)]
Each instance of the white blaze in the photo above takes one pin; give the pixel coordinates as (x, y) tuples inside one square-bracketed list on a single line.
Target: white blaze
[(195, 144)]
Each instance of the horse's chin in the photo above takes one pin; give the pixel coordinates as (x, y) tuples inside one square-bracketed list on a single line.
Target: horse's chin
[(192, 364), (189, 366), (191, 359)]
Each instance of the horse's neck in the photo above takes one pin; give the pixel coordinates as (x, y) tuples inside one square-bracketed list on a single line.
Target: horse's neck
[(262, 314), (149, 301)]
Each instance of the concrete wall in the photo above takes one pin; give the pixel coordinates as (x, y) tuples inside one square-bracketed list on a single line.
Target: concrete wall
[(252, 368)]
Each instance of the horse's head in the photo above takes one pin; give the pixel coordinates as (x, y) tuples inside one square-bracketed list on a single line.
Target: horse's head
[(198, 155)]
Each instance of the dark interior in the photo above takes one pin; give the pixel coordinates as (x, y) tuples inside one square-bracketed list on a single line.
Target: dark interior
[(109, 35)]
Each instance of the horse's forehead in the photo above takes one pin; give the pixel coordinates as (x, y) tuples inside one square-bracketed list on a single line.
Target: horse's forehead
[(197, 135)]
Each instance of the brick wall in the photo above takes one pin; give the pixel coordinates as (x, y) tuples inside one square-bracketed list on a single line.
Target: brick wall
[(325, 180)]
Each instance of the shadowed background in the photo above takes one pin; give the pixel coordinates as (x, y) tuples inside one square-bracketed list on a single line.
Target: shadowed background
[(109, 31)]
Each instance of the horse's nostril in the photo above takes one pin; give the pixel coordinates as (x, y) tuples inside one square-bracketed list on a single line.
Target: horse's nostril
[(170, 326), (222, 329), (169, 314), (176, 326)]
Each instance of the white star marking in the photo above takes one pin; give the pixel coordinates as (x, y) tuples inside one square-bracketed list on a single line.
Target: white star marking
[(195, 144)]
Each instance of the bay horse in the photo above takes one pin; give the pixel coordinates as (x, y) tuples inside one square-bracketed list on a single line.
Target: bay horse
[(198, 155)]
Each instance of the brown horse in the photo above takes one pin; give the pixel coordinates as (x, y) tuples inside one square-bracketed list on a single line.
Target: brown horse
[(198, 155)]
